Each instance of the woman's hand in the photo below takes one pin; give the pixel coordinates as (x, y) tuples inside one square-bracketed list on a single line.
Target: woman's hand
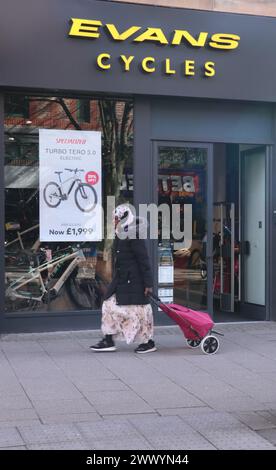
[(148, 290)]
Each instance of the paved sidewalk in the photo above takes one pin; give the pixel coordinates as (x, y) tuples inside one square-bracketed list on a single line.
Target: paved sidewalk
[(57, 394)]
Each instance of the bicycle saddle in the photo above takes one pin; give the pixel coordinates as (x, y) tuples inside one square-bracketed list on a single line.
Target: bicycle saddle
[(58, 172)]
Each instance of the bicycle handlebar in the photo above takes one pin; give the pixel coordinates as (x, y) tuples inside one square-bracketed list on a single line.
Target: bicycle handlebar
[(74, 170)]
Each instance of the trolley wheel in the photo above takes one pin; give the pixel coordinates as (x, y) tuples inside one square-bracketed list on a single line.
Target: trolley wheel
[(193, 343), (210, 344)]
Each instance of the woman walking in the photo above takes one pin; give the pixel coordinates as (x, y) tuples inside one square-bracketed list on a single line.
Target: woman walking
[(126, 311)]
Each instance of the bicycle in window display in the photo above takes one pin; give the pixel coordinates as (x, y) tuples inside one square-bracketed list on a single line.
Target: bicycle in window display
[(85, 196), (43, 283)]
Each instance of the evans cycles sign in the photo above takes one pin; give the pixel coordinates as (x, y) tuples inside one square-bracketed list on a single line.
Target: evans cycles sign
[(96, 29), (115, 48), (70, 185)]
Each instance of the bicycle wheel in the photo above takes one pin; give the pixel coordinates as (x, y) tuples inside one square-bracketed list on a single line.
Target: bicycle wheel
[(52, 194), (85, 197), (84, 294)]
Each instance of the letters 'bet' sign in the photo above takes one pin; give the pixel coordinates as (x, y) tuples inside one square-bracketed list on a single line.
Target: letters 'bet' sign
[(94, 29), (136, 49)]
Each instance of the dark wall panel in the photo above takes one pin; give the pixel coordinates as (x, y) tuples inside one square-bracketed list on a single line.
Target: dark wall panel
[(212, 121)]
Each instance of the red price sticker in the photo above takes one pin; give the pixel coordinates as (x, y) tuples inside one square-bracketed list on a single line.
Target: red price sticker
[(92, 177)]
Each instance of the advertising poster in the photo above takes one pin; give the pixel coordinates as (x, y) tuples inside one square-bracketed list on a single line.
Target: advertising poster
[(70, 180)]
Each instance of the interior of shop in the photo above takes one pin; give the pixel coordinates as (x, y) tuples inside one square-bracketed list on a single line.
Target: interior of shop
[(239, 230)]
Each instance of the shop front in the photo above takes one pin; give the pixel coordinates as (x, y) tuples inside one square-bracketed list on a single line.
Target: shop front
[(103, 103)]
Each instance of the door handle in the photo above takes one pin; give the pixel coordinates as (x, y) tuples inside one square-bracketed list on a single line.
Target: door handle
[(245, 247)]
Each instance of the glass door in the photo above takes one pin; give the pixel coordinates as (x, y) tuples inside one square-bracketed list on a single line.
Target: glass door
[(185, 242)]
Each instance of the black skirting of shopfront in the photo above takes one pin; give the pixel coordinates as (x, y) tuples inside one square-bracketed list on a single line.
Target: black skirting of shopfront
[(186, 138)]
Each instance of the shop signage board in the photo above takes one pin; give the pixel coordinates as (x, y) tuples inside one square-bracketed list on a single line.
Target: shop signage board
[(70, 185), (111, 47)]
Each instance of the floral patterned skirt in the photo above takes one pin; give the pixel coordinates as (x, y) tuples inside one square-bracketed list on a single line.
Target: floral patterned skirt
[(133, 323)]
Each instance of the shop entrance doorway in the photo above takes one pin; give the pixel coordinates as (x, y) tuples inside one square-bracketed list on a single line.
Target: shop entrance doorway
[(239, 224), (221, 266), (185, 189)]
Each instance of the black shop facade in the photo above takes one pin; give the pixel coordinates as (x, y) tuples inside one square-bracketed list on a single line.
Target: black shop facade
[(143, 105)]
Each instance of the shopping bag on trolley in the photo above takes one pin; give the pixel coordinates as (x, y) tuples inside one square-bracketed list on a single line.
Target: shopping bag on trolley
[(196, 326)]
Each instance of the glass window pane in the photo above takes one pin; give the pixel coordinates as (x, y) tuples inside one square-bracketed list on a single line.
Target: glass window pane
[(182, 181), (50, 276)]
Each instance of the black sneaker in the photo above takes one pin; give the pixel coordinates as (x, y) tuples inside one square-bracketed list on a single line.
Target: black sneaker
[(104, 345), (146, 347)]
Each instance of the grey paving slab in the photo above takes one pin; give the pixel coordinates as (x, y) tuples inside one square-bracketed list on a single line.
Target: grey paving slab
[(65, 345), (84, 366), (225, 431), (113, 434), (20, 347), (205, 385), (14, 448), (263, 391), (170, 432), (18, 422), (68, 445), (234, 402), (15, 402), (185, 442), (108, 428), (90, 383), (172, 366), (255, 362), (33, 366), (10, 437), (10, 387), (171, 425), (127, 444), (235, 439), (31, 371), (256, 421), (269, 416), (50, 388), (14, 414), (267, 376), (173, 342), (118, 402), (129, 416), (269, 435), (163, 396), (115, 443), (43, 434), (68, 418), (130, 369), (58, 406), (216, 420), (182, 411)]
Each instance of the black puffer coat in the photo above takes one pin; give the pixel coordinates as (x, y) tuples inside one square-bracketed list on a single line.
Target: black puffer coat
[(132, 272)]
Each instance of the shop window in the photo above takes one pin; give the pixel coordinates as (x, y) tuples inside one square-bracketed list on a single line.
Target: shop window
[(17, 106), (58, 274), (84, 110)]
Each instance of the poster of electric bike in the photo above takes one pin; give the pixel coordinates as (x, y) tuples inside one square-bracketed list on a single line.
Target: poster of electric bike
[(70, 185)]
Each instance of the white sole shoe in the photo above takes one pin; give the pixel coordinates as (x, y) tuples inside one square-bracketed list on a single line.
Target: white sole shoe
[(147, 351), (110, 349)]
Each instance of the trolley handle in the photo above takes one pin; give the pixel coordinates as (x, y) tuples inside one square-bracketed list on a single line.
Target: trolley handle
[(154, 299)]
